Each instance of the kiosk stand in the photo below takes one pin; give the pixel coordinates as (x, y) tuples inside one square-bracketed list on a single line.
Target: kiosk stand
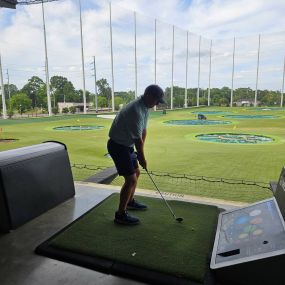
[(249, 245)]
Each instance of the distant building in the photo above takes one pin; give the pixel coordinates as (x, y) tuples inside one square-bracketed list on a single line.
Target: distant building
[(246, 103), (79, 107)]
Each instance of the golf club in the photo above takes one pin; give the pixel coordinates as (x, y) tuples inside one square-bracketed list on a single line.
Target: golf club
[(177, 219)]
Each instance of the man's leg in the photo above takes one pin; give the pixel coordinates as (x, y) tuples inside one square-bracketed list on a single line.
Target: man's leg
[(122, 216), (127, 191), (134, 204)]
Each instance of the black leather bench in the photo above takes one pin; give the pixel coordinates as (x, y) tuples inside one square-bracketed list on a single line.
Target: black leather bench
[(33, 179)]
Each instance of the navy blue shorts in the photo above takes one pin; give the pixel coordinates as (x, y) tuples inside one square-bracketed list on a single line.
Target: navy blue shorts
[(124, 157)]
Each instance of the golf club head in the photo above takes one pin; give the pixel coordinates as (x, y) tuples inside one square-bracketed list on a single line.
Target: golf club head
[(179, 220)]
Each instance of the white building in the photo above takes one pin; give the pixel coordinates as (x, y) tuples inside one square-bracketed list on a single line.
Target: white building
[(79, 107)]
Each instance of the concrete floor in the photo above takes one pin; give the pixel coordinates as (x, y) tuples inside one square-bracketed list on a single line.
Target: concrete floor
[(19, 265)]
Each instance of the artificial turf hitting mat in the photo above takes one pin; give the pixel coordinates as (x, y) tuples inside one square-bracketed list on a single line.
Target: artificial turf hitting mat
[(160, 250)]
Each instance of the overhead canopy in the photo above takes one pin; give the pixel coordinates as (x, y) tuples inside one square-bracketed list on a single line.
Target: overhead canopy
[(8, 4)]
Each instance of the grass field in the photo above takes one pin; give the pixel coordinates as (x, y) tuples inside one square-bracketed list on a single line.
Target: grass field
[(169, 148)]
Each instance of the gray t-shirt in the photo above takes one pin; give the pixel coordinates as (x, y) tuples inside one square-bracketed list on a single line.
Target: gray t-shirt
[(130, 123)]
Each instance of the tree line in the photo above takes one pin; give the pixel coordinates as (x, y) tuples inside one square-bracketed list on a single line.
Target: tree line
[(33, 95)]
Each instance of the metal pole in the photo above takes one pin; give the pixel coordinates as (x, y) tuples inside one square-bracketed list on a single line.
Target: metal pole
[(154, 108), (171, 96), (155, 51), (186, 79), (136, 68), (3, 92), (198, 88), (257, 73), (46, 63), (233, 73), (9, 92), (210, 74), (282, 90), (96, 94), (82, 60), (112, 65)]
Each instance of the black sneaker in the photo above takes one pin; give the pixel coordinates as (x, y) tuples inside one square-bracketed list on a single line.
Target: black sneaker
[(126, 219), (135, 205)]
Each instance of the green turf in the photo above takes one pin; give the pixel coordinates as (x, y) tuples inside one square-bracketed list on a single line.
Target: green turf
[(159, 243), (170, 148)]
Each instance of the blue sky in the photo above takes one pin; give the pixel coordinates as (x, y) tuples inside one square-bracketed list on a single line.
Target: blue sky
[(21, 43)]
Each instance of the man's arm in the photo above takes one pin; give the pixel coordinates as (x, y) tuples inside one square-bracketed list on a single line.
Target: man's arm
[(139, 143), (144, 135)]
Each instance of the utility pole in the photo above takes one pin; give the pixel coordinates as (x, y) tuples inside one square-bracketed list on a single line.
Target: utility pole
[(3, 92), (9, 92), (95, 80)]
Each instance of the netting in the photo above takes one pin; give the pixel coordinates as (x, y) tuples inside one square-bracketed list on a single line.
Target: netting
[(81, 171), (173, 184), (212, 187), (64, 54)]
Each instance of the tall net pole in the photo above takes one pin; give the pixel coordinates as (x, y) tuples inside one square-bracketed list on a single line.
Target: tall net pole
[(233, 73), (257, 73), (282, 90), (46, 63), (199, 66), (172, 70), (186, 73), (112, 63), (155, 51), (154, 108), (136, 67), (8, 78), (82, 60), (210, 74), (3, 92)]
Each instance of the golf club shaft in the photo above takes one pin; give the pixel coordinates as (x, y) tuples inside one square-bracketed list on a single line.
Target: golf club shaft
[(160, 194)]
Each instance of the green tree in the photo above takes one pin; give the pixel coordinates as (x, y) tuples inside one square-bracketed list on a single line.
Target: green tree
[(55, 110), (72, 110), (118, 101), (80, 96), (102, 102), (20, 102), (126, 96), (12, 88), (63, 90), (65, 110), (32, 89), (104, 90)]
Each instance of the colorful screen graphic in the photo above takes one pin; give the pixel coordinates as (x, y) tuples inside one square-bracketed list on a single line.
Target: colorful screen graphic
[(250, 231)]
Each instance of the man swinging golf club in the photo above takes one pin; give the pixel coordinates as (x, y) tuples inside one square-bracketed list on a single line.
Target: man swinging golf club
[(128, 130)]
